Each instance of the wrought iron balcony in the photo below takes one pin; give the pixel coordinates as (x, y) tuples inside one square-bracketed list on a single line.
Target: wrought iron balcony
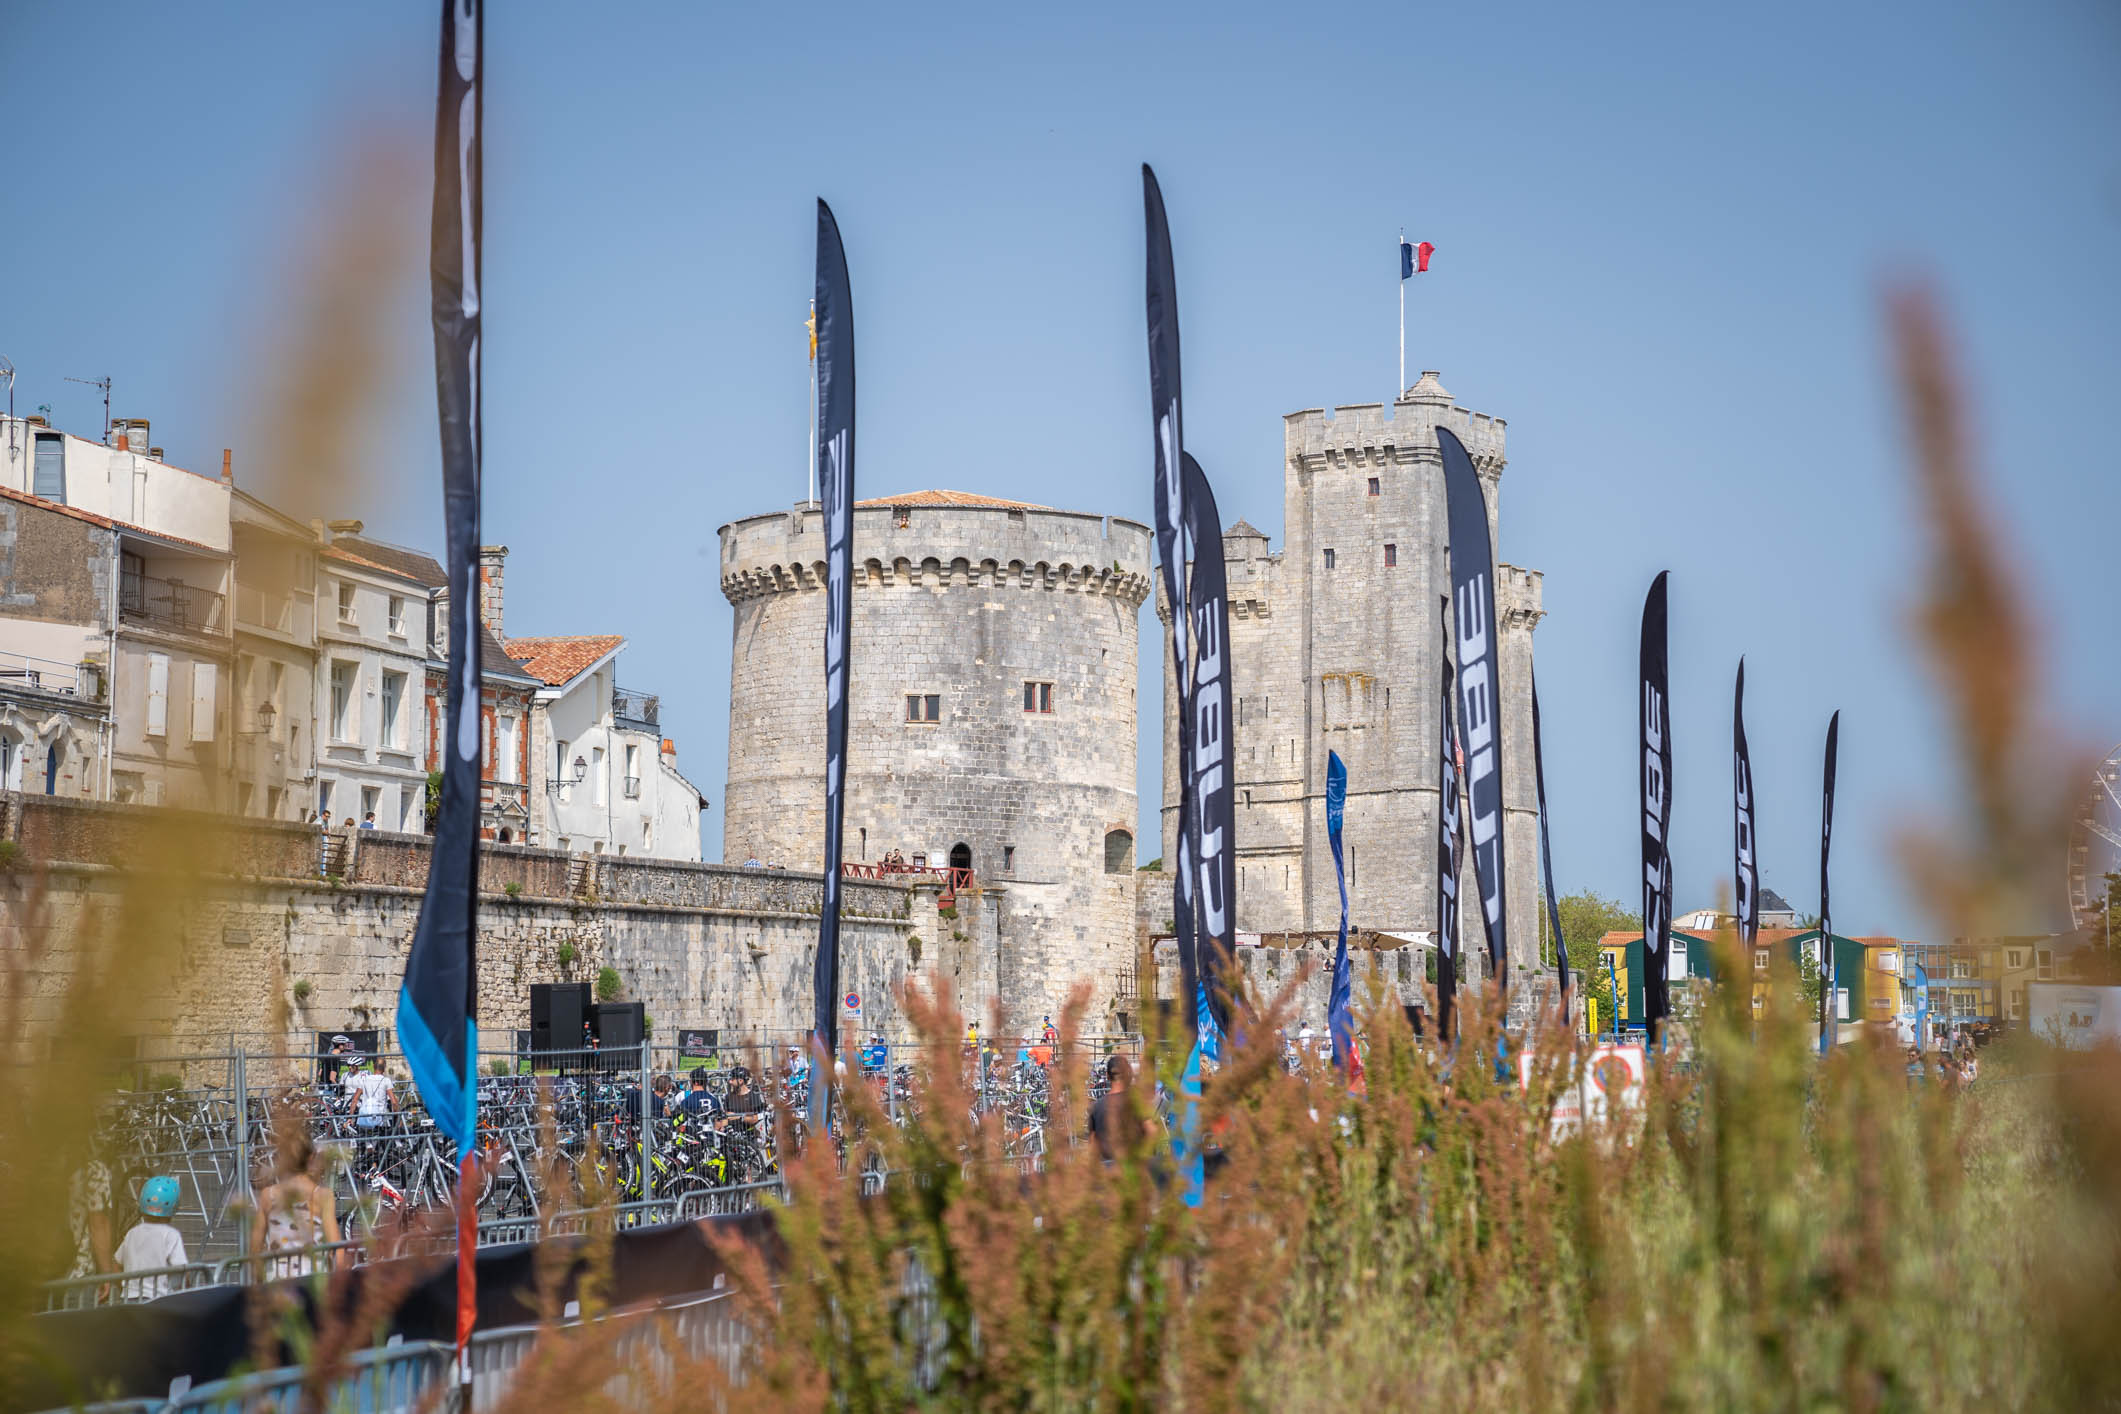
[(641, 711), (170, 604)]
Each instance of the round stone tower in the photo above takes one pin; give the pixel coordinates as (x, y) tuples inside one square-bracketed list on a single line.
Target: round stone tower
[(991, 721)]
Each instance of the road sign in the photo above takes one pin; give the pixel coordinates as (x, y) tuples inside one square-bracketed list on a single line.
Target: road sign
[(854, 1003)]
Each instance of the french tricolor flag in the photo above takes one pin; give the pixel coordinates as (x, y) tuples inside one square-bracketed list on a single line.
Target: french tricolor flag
[(1414, 259)]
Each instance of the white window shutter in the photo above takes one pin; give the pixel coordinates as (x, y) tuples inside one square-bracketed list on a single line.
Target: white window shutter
[(158, 694), (203, 681)]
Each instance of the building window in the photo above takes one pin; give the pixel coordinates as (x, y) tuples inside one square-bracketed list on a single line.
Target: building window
[(1008, 859), (397, 616), (158, 694), (509, 729), (2043, 964), (1119, 852), (394, 709), (598, 790), (1038, 697), (1962, 968), (345, 723), (346, 602), (50, 480), (1373, 485), (371, 797), (1391, 556), (924, 707), (204, 680), (1760, 959), (1329, 559), (633, 772), (2018, 1003), (2016, 956)]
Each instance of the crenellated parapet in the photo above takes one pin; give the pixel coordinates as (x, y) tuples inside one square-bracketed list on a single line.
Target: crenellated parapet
[(993, 547), (1403, 434), (1519, 597)]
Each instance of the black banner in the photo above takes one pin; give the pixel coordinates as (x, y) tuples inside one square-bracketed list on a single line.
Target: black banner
[(699, 1045), (1479, 687), (438, 1005), (1829, 1014), (1213, 813), (1169, 498), (1446, 846), (1546, 854), (1656, 780), (1745, 837), (835, 461)]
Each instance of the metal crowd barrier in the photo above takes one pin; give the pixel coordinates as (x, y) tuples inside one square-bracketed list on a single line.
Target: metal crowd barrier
[(394, 1379), (116, 1288)]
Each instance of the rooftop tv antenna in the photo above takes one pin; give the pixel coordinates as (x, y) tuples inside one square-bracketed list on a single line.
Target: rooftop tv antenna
[(104, 384), (7, 371)]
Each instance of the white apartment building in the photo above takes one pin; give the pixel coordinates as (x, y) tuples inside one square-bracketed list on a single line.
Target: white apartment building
[(371, 725), (610, 779), (132, 624)]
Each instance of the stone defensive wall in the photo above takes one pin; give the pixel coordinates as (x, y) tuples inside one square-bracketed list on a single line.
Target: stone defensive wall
[(1279, 963), (991, 714), (921, 545), (238, 929)]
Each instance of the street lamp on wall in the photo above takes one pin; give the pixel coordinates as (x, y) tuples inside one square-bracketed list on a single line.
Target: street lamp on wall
[(581, 770)]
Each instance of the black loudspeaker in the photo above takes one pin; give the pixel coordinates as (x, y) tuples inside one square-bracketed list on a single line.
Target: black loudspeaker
[(619, 1027), (557, 1011)]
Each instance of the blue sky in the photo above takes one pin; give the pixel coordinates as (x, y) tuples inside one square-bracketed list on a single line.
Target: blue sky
[(1661, 231)]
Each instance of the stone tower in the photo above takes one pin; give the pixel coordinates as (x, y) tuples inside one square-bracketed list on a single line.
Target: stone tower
[(1335, 646), (992, 719)]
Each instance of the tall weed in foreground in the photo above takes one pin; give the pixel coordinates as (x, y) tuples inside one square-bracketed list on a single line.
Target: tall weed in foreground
[(1762, 1231)]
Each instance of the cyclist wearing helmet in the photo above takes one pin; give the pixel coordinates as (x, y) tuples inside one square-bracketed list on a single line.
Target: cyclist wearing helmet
[(153, 1243)]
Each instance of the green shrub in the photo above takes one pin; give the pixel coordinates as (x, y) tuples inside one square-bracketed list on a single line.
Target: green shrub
[(565, 954), (609, 987), (303, 991), (512, 889)]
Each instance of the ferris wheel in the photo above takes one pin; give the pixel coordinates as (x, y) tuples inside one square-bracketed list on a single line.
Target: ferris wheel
[(2095, 842)]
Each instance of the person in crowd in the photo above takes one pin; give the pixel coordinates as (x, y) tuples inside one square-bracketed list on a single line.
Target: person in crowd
[(1049, 1033), (368, 821), (294, 1210), (153, 1242), (798, 1067), (371, 1092), (1114, 1126), (88, 1201), (333, 1069), (698, 1101), (742, 1099), (877, 1055), (660, 1091)]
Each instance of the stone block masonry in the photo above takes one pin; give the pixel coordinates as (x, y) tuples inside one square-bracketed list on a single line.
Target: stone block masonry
[(991, 719), (699, 945)]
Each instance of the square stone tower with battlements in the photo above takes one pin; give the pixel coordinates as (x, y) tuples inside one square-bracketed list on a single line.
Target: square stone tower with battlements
[(1336, 645)]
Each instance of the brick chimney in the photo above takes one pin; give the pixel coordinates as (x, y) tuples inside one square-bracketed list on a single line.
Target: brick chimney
[(340, 528), (490, 558)]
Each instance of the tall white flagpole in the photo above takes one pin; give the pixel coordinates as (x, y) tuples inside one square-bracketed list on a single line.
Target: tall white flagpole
[(1401, 253)]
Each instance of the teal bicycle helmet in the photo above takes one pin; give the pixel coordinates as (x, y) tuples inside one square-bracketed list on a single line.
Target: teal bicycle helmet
[(158, 1196)]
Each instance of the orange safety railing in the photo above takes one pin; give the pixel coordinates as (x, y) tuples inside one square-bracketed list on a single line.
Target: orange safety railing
[(953, 879)]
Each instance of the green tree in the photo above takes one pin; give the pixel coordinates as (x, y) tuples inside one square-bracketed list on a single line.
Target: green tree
[(1585, 918), (609, 987)]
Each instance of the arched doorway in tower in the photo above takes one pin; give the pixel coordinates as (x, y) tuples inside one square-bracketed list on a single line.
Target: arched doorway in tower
[(961, 856)]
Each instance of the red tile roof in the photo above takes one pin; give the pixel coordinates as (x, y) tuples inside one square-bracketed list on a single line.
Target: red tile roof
[(556, 660), (951, 498)]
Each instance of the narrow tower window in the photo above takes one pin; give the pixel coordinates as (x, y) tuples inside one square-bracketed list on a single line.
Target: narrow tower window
[(1329, 559), (1391, 556), (1373, 486)]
